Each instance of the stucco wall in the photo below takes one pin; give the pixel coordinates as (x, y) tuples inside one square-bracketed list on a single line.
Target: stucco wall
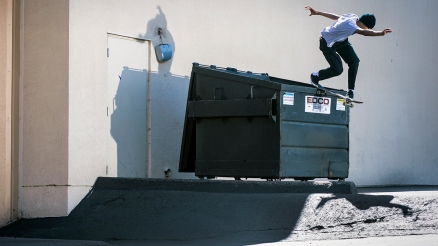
[(45, 109), (4, 198)]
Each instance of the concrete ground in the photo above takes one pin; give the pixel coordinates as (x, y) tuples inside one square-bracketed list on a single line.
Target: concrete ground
[(376, 216), (381, 241)]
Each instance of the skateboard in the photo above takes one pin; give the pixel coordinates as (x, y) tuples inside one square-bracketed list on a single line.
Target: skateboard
[(322, 91)]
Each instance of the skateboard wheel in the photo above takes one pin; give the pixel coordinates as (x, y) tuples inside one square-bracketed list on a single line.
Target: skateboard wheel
[(344, 103), (318, 92), (351, 105)]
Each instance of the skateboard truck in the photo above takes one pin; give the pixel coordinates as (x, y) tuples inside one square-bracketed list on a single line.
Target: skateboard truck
[(321, 92), (348, 102)]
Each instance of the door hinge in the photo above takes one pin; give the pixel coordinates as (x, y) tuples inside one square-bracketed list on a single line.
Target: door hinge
[(106, 111), (107, 52)]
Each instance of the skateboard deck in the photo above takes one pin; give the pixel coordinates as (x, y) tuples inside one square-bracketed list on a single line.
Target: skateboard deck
[(321, 91)]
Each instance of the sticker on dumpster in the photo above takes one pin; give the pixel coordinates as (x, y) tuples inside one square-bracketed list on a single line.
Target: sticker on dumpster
[(318, 105), (288, 98), (340, 104)]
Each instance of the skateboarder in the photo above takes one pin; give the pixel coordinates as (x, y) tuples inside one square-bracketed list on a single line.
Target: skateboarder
[(334, 44)]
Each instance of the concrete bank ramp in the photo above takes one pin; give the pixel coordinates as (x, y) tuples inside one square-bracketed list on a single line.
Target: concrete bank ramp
[(181, 210)]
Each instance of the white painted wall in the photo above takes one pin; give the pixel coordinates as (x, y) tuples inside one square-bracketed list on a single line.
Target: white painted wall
[(392, 136)]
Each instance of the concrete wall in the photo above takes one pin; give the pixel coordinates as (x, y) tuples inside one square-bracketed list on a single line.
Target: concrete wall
[(45, 108), (4, 185), (392, 135)]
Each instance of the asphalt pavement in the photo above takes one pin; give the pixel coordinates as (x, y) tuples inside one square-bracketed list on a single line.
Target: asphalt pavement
[(401, 215)]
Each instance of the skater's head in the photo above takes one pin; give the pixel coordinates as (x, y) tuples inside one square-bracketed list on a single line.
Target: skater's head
[(367, 21)]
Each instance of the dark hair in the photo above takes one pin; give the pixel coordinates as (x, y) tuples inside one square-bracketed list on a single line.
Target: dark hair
[(368, 20)]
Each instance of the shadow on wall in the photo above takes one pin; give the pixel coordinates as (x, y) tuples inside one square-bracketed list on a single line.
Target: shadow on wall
[(168, 94), (152, 28), (128, 123), (168, 105)]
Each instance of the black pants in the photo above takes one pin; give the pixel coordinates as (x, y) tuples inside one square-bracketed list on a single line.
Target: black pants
[(331, 54)]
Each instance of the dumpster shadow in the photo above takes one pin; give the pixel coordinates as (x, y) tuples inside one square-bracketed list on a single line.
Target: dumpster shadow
[(166, 215), (128, 123), (168, 103)]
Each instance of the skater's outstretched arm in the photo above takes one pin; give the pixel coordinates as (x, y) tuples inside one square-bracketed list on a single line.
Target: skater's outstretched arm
[(369, 32), (325, 14)]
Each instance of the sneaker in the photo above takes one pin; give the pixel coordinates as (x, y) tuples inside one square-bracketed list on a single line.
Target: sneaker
[(350, 94), (314, 80)]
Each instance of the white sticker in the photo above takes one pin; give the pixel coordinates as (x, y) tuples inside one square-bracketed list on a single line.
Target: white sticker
[(340, 104), (288, 98), (318, 105)]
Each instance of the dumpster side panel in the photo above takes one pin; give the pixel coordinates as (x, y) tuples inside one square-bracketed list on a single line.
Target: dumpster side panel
[(314, 141), (314, 162), (235, 144), (237, 147), (314, 135), (337, 115), (188, 145)]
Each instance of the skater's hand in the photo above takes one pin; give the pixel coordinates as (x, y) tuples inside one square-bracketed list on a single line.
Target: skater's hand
[(385, 31), (312, 10), (325, 14)]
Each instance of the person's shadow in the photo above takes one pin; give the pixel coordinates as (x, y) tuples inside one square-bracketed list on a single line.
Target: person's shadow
[(364, 202), (153, 33)]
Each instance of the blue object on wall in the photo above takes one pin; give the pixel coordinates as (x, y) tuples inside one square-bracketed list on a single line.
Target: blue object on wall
[(163, 52)]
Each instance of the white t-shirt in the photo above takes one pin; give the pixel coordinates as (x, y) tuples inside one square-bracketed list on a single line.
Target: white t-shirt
[(341, 29)]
